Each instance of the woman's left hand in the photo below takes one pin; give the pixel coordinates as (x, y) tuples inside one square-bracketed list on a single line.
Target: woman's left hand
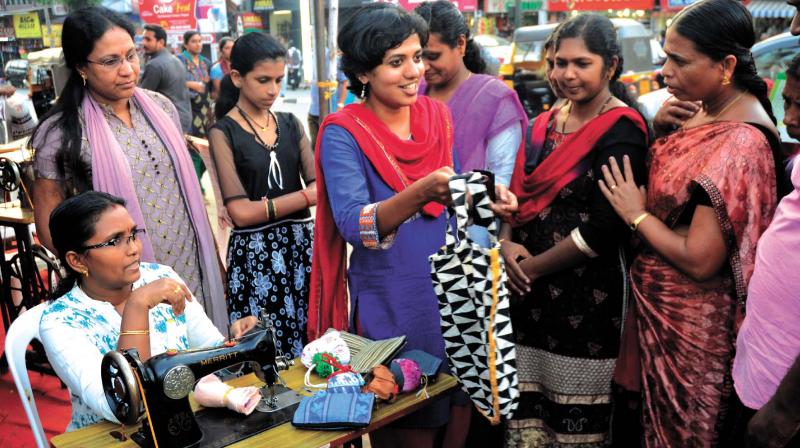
[(506, 203), (242, 326), (621, 191)]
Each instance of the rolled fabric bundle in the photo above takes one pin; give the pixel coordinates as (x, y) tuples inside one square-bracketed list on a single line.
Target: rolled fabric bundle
[(211, 392)]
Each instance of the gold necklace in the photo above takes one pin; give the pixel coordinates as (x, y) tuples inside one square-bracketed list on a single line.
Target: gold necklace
[(727, 106), (569, 112), (248, 117)]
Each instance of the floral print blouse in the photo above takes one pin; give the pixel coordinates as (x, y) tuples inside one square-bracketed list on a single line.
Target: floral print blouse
[(77, 331)]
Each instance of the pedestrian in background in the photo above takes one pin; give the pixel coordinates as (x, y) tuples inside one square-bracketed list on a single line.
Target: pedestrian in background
[(263, 159), (164, 73), (198, 82), (106, 134), (223, 65)]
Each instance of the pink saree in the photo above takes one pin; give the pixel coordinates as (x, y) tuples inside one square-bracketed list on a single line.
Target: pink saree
[(687, 328)]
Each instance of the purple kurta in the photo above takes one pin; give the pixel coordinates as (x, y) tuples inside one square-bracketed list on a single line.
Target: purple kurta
[(481, 108)]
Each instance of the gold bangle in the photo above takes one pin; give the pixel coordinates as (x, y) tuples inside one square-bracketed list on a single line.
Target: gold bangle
[(274, 210), (134, 332), (266, 208), (638, 220), (225, 396)]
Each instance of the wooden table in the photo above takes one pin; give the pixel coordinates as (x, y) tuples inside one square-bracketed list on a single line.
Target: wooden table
[(284, 435)]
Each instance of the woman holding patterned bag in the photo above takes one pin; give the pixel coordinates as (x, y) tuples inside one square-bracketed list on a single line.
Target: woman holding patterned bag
[(262, 160), (384, 167), (566, 250)]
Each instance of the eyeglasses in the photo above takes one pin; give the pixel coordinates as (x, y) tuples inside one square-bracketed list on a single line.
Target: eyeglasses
[(116, 241), (113, 63)]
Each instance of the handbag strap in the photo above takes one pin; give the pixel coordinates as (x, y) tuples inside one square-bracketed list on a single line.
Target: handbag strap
[(482, 214)]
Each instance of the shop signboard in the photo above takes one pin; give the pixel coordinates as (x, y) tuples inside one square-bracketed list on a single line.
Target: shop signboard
[(172, 15), (26, 26), (212, 16), (251, 22), (504, 6), (6, 32), (598, 5), (263, 5), (463, 5), (54, 34), (16, 5)]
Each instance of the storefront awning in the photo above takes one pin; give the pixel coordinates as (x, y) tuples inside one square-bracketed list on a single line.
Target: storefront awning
[(764, 9)]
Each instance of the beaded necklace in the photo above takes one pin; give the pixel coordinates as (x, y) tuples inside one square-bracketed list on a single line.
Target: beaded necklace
[(274, 167)]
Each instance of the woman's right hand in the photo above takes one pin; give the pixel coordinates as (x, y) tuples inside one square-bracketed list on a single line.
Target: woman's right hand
[(513, 254), (165, 290), (674, 113), (436, 186)]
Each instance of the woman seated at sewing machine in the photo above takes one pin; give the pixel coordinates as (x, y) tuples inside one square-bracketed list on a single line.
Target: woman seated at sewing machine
[(109, 300)]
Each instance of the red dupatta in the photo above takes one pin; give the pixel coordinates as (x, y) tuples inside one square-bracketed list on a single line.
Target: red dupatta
[(399, 163), (536, 190)]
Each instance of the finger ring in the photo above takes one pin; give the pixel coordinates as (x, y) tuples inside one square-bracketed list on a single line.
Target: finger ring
[(613, 187), (177, 289)]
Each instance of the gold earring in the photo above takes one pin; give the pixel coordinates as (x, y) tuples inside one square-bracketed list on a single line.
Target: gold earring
[(85, 273), (726, 80), (84, 78)]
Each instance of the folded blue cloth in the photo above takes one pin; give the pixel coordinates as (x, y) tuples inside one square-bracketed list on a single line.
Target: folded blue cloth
[(345, 382), (428, 364), (334, 411)]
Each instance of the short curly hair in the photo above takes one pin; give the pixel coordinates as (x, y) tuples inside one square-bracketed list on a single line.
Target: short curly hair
[(370, 33)]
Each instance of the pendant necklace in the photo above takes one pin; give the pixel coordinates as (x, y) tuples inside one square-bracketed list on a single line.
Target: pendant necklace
[(248, 118), (274, 174)]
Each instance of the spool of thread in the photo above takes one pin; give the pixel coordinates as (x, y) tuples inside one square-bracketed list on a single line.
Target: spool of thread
[(406, 373)]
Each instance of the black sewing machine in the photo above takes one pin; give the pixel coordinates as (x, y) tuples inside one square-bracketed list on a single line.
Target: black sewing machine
[(159, 388)]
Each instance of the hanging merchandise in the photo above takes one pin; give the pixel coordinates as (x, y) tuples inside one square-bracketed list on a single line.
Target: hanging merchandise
[(470, 283), (19, 116)]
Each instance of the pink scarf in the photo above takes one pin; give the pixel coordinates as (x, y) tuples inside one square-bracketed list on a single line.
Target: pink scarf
[(111, 173)]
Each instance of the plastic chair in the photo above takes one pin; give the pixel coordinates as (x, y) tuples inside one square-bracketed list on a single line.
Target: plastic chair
[(24, 329)]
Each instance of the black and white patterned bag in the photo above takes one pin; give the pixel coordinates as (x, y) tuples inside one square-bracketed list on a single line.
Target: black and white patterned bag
[(470, 283)]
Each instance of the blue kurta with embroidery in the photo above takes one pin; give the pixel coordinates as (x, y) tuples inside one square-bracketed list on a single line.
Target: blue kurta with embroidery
[(391, 291), (77, 331)]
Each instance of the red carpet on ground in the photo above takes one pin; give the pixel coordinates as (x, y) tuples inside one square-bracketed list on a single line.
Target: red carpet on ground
[(52, 402)]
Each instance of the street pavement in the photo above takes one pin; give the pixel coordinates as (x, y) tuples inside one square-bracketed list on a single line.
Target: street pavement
[(295, 101)]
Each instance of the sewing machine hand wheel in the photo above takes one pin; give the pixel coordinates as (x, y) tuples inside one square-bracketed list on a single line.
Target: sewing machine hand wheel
[(9, 174), (120, 387)]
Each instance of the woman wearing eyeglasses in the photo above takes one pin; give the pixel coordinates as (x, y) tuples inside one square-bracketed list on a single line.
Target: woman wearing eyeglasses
[(105, 134), (110, 300)]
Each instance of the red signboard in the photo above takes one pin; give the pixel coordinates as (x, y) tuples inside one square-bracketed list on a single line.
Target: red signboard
[(598, 5), (251, 21), (172, 15), (463, 5)]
